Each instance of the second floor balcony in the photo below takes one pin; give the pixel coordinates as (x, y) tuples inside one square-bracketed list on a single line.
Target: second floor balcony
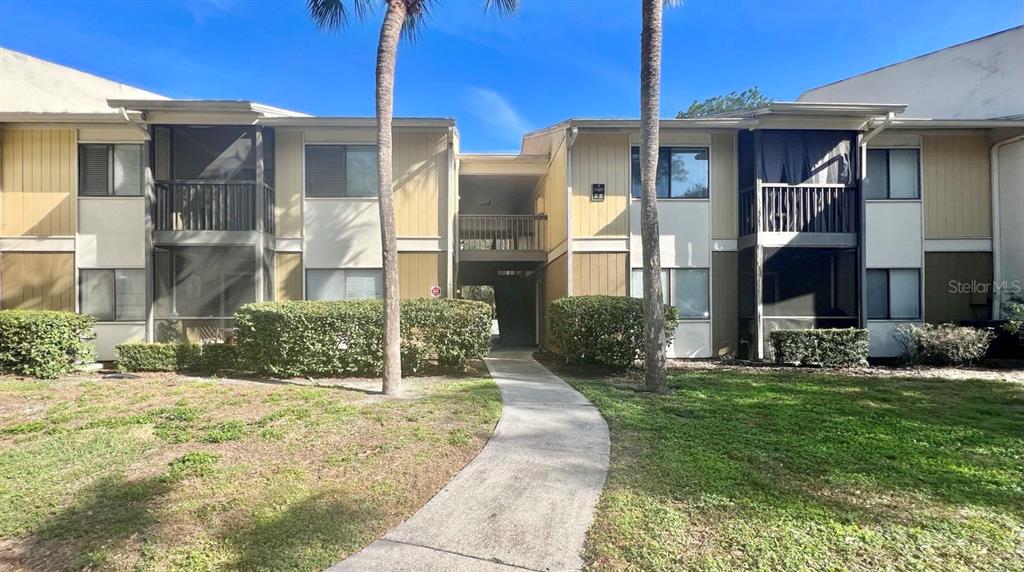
[(204, 205), (509, 237), (799, 208)]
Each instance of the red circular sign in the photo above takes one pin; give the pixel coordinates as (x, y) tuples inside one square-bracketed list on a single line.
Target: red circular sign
[(435, 291)]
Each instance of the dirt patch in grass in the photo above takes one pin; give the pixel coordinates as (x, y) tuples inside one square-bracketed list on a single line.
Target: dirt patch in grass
[(755, 469), (168, 472)]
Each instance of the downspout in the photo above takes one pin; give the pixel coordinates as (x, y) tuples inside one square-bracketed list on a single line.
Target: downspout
[(996, 266), (570, 137), (862, 274), (128, 120)]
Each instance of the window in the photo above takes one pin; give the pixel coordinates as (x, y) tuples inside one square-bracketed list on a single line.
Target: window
[(893, 174), (341, 171), (894, 294), (684, 288), (113, 295), (682, 173), (352, 284), (109, 170)]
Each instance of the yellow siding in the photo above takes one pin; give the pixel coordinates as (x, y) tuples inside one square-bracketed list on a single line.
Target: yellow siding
[(554, 285), (724, 303), (600, 158), (723, 186), (288, 276), (957, 198), (599, 273), (37, 281), (418, 272), (38, 182), (420, 162), (288, 183), (552, 198), (943, 268)]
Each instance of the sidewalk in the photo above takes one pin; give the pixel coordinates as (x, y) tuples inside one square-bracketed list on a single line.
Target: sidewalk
[(526, 501)]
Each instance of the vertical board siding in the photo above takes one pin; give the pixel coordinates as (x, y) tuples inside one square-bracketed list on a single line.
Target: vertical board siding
[(600, 158), (956, 186), (288, 276), (554, 285), (38, 182), (418, 272), (420, 172), (724, 303), (599, 273), (552, 197), (944, 274), (37, 281), (289, 184), (724, 190)]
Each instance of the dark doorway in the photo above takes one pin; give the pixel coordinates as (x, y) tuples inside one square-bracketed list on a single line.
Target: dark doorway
[(515, 305)]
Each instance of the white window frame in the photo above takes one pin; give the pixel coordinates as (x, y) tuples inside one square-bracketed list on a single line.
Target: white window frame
[(344, 282), (113, 306), (888, 191), (888, 284), (305, 194), (669, 284), (704, 147), (111, 151)]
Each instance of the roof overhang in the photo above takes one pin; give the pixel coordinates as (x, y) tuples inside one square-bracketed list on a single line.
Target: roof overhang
[(827, 109), (203, 106), (502, 164), (921, 123), (308, 121), (30, 117)]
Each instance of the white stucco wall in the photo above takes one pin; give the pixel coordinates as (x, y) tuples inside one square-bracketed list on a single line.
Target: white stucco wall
[(685, 227), (111, 233), (1011, 216), (893, 236), (983, 78), (110, 334), (342, 233)]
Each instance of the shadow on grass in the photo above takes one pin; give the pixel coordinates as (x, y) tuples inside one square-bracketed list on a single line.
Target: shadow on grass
[(309, 534), (107, 513)]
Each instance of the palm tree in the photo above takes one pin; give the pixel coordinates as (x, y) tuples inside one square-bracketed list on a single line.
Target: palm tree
[(401, 18), (650, 92)]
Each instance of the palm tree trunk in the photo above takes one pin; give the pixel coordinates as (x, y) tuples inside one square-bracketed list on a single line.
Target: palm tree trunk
[(387, 52), (650, 92)]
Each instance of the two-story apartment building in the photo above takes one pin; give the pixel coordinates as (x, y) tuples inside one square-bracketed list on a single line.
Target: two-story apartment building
[(161, 217)]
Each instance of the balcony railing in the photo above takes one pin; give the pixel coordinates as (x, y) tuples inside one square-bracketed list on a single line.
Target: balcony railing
[(503, 232), (212, 205), (800, 209)]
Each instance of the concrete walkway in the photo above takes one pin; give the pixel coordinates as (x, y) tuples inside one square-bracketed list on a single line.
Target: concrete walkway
[(526, 501)]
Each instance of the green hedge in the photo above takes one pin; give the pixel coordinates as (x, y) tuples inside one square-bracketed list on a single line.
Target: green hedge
[(603, 330), (845, 347), (43, 343), (141, 356), (289, 339)]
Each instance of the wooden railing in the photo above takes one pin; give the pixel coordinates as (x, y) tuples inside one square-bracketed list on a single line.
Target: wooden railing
[(212, 205), (502, 232), (800, 209)]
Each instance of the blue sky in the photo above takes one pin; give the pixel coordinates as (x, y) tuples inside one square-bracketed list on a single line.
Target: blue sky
[(497, 76)]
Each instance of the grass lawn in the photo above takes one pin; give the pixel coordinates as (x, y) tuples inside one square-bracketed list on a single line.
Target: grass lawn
[(794, 470), (169, 472)]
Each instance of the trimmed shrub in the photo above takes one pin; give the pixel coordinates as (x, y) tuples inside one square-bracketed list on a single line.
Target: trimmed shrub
[(603, 330), (44, 343), (943, 344), (217, 357), (142, 356), (843, 347), (320, 338)]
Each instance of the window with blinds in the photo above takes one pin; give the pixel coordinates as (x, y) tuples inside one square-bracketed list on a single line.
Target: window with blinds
[(109, 170), (338, 284), (337, 171), (113, 295), (893, 174)]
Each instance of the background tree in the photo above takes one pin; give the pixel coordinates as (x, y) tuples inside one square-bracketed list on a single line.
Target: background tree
[(401, 18), (650, 92), (733, 101)]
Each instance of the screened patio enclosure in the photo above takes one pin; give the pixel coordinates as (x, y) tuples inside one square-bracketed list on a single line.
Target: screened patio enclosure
[(198, 288)]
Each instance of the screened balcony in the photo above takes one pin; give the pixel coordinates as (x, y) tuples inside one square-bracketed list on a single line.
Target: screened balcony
[(213, 178)]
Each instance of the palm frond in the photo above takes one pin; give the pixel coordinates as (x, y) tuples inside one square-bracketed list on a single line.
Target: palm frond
[(416, 11), (503, 7), (332, 15)]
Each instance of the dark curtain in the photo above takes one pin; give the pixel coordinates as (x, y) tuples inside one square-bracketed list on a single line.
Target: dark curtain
[(806, 157)]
